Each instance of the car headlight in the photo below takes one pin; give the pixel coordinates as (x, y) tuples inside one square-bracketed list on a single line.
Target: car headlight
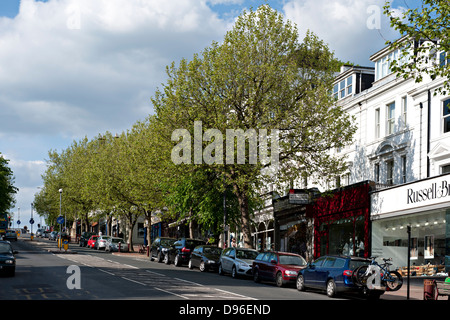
[(290, 273), (9, 261)]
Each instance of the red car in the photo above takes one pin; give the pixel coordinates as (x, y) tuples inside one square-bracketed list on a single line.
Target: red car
[(280, 267), (91, 241)]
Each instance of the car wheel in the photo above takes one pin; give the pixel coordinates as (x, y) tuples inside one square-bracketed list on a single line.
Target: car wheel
[(256, 275), (159, 257), (300, 283), (176, 262), (202, 266), (234, 273), (190, 264), (331, 288), (279, 280), (220, 270)]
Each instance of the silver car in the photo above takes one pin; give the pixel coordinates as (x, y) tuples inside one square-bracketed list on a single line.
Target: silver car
[(101, 242), (237, 261), (112, 245)]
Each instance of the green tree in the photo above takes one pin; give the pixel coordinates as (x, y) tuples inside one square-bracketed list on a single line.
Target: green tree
[(7, 188), (425, 38), (259, 78)]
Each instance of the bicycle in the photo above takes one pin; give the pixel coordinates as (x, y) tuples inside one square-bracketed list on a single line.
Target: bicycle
[(390, 279)]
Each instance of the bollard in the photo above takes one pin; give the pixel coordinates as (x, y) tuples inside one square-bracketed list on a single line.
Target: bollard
[(119, 245), (429, 289)]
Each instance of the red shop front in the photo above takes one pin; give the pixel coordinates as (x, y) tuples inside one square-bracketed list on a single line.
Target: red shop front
[(342, 221)]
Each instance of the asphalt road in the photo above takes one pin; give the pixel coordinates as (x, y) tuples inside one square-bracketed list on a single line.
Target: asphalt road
[(43, 275)]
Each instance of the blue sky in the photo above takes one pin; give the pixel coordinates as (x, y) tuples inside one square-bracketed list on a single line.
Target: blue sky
[(76, 68)]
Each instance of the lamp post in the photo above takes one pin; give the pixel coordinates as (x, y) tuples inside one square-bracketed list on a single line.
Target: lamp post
[(60, 214)]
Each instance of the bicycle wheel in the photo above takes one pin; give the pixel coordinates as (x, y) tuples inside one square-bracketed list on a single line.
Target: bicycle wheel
[(359, 276), (393, 280)]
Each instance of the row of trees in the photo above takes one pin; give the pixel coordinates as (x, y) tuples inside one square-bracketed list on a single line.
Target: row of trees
[(7, 188), (261, 78)]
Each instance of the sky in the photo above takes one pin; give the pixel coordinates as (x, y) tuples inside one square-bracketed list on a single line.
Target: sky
[(71, 69)]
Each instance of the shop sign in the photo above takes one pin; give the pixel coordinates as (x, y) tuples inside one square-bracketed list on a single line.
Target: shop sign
[(298, 197), (435, 191)]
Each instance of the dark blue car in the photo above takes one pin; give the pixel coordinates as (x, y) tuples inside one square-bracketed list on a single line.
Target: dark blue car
[(334, 275)]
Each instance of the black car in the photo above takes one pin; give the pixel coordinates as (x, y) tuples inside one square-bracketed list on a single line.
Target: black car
[(180, 251), (7, 258), (159, 247), (85, 237), (205, 258)]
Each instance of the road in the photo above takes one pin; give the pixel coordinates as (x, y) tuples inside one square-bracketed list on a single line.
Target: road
[(100, 278), (43, 275)]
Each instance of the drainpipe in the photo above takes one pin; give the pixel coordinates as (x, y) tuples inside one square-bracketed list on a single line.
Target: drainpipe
[(420, 142)]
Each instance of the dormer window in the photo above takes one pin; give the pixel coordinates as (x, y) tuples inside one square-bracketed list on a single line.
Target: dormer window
[(343, 88)]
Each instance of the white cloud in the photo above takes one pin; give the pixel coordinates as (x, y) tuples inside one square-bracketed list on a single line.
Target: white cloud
[(343, 24), (81, 67)]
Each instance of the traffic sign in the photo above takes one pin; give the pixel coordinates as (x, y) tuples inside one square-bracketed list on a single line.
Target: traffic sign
[(31, 221), (60, 220), (18, 221)]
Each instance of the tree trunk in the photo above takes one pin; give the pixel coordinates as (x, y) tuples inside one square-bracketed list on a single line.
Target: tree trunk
[(242, 197)]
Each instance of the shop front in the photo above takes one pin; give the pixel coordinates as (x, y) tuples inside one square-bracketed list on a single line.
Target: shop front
[(424, 207), (293, 231), (342, 221)]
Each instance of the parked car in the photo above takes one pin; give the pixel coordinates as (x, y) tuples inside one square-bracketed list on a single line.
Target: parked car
[(101, 242), (237, 261), (53, 235), (84, 238), (334, 275), (112, 245), (281, 267), (39, 232), (46, 234), (205, 257), (92, 240), (159, 247), (7, 258), (180, 251), (10, 234)]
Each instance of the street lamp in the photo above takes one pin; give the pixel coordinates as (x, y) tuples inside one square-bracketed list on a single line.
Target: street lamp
[(60, 194)]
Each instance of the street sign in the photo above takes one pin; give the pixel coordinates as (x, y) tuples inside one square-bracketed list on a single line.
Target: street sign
[(31, 221), (18, 221), (60, 220)]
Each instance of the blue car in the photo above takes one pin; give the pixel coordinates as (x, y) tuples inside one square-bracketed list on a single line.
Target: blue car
[(334, 275)]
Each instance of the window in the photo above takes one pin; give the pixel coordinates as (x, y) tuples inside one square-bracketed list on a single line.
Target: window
[(404, 110), (343, 88), (390, 120), (403, 169), (445, 169), (376, 173), (390, 172), (444, 58), (446, 115), (377, 123), (383, 65)]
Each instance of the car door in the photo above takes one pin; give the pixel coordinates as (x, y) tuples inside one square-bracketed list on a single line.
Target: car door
[(271, 267), (196, 256), (326, 269), (310, 273)]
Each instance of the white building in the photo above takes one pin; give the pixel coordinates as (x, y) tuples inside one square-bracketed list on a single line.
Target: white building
[(403, 144)]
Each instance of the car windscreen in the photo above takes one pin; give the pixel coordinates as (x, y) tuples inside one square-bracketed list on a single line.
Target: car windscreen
[(208, 250), (116, 240), (292, 260), (246, 254), (5, 248), (167, 242)]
